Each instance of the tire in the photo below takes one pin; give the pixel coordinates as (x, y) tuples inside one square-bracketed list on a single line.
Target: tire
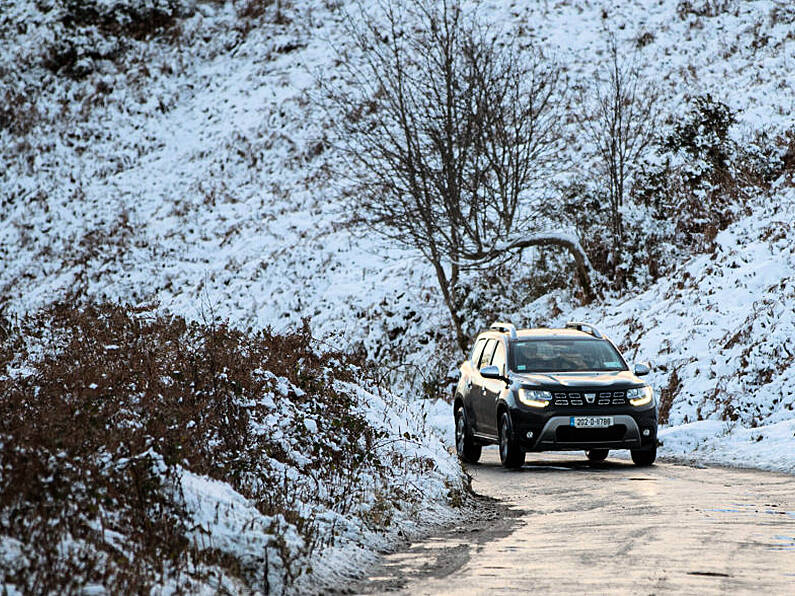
[(644, 457), (597, 455), (511, 454), (468, 451)]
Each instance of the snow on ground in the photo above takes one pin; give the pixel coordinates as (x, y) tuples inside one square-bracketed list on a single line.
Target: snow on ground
[(225, 520), (197, 174), (719, 333), (768, 447), (204, 182)]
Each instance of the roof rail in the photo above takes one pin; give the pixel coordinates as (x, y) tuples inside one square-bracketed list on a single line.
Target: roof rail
[(586, 328), (504, 328)]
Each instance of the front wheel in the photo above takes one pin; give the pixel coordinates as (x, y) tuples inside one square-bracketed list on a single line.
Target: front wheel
[(511, 454), (644, 457), (597, 455), (468, 451)]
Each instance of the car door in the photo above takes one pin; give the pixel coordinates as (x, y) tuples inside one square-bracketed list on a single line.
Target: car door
[(470, 373), (481, 424), (490, 391)]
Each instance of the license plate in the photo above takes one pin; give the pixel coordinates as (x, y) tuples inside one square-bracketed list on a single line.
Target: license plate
[(591, 421)]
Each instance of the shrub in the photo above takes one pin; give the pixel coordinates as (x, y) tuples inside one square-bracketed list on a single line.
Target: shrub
[(703, 8), (703, 137), (104, 407), (766, 158), (94, 30), (133, 18), (18, 112), (254, 9), (701, 178)]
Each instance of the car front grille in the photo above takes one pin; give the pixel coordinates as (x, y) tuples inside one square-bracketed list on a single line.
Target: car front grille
[(589, 398)]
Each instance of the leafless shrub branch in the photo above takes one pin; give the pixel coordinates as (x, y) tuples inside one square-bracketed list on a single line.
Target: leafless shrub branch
[(619, 122), (118, 401)]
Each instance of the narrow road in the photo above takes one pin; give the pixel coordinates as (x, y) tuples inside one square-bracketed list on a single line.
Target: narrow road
[(573, 528)]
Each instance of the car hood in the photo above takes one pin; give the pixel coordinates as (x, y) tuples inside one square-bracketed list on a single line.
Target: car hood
[(621, 378)]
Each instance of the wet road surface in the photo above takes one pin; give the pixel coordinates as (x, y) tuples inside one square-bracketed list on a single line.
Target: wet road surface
[(612, 528)]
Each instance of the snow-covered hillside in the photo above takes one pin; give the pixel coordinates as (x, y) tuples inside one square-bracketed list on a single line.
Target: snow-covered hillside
[(719, 333), (192, 167), (197, 172)]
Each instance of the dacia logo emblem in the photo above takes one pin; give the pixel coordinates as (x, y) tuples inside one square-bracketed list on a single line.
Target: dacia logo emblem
[(590, 397)]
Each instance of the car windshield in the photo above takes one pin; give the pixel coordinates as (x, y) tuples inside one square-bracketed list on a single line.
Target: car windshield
[(564, 355)]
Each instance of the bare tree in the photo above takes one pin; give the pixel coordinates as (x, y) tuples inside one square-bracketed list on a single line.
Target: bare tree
[(619, 120), (451, 131)]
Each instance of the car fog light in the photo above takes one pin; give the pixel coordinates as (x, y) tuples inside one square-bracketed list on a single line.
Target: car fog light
[(646, 432), (530, 434)]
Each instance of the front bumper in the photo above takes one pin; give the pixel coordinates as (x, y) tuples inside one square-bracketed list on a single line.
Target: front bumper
[(552, 431)]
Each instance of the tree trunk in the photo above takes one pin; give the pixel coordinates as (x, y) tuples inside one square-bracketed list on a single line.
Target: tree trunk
[(444, 285)]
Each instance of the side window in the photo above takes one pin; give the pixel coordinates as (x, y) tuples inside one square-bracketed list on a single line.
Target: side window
[(488, 352), (499, 357), (476, 351)]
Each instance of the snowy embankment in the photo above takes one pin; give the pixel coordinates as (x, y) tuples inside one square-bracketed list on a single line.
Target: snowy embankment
[(418, 494), (191, 167), (140, 452), (719, 332)]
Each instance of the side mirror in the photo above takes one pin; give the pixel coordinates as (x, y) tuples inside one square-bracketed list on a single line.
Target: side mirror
[(642, 368), (491, 372)]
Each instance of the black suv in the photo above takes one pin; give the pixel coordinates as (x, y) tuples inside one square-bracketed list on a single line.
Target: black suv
[(552, 389)]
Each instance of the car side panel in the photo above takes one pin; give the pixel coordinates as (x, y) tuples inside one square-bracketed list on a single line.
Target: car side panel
[(467, 388), (481, 423), (491, 390), (490, 395)]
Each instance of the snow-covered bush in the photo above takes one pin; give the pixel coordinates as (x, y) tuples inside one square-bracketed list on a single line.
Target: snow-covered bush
[(766, 158), (75, 37), (137, 449), (701, 139), (703, 8), (17, 108), (699, 181), (254, 9), (692, 178), (94, 30)]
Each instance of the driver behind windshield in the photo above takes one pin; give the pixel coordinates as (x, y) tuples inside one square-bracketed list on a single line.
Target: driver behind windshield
[(565, 356)]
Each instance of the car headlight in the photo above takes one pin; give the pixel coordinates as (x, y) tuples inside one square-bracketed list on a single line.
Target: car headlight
[(534, 398), (640, 396)]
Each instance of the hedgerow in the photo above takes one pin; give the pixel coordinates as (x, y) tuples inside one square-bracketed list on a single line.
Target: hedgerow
[(104, 408)]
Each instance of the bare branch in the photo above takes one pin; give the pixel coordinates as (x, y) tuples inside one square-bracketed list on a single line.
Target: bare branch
[(450, 130), (619, 121)]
